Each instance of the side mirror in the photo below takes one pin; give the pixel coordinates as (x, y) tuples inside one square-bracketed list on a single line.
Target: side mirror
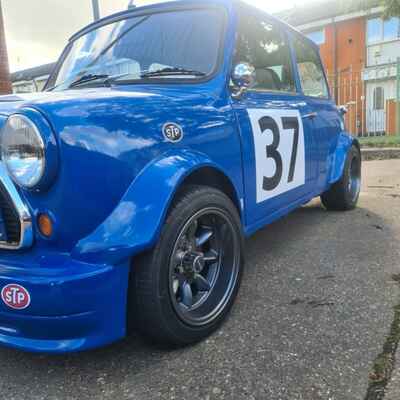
[(243, 77), (342, 110)]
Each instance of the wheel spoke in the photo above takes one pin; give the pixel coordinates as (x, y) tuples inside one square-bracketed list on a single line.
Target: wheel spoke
[(187, 295), (205, 234), (211, 256), (202, 283), (177, 282), (191, 232), (178, 257)]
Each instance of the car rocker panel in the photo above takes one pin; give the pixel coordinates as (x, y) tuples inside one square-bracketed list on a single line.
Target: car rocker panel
[(121, 186)]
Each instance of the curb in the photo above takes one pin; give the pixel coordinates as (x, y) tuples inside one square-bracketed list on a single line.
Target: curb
[(369, 154), (393, 390)]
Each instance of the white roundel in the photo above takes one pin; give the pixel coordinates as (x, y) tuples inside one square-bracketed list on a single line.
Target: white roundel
[(15, 296)]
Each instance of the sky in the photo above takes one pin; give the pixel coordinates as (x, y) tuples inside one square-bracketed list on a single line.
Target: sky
[(37, 30)]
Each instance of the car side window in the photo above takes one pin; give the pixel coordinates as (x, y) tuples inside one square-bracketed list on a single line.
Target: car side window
[(311, 72), (265, 46)]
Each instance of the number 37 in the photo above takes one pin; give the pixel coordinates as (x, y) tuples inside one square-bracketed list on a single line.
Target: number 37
[(272, 150), (279, 151)]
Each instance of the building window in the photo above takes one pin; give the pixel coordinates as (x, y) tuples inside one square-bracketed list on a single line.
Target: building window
[(318, 37), (379, 98), (379, 30), (391, 29)]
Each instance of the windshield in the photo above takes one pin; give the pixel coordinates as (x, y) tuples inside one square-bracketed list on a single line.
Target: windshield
[(174, 43)]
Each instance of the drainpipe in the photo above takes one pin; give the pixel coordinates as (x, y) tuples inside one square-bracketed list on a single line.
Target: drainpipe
[(398, 98), (335, 63)]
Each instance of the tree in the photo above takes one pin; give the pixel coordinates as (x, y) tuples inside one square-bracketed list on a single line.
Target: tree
[(392, 8), (349, 6)]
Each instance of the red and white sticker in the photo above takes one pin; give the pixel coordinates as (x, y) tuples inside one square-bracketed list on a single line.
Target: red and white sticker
[(16, 296)]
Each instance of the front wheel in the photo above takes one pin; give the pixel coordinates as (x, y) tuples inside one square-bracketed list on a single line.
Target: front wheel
[(183, 289), (344, 194)]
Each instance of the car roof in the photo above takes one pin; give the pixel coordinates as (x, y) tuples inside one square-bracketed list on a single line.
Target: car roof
[(183, 4), (156, 7)]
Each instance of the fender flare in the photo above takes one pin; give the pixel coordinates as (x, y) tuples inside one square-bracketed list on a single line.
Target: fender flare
[(135, 224), (344, 144)]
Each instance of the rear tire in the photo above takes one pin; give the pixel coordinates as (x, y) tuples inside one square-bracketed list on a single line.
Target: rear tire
[(344, 194), (183, 289)]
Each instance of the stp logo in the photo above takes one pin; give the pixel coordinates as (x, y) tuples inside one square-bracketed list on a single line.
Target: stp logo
[(16, 296), (173, 132)]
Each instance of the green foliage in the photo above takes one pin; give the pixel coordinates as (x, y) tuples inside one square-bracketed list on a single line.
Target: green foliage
[(380, 141), (355, 5), (392, 8)]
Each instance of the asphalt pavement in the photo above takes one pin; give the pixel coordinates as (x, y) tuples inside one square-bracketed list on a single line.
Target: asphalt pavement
[(313, 321)]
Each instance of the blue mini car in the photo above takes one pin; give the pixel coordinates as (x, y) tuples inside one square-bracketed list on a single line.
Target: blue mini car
[(165, 135)]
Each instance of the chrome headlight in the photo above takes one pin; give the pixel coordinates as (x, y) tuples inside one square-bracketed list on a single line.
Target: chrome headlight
[(23, 151)]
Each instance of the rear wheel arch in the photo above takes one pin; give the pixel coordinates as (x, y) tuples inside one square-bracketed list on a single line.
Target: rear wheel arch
[(356, 143), (343, 195)]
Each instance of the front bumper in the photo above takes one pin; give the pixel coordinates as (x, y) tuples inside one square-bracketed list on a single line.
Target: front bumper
[(74, 305)]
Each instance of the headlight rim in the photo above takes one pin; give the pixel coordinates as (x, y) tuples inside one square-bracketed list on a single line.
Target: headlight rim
[(49, 147), (42, 147)]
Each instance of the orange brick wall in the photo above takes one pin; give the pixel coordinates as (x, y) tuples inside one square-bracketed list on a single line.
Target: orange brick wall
[(343, 54)]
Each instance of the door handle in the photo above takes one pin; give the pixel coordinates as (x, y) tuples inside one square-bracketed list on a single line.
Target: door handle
[(311, 115)]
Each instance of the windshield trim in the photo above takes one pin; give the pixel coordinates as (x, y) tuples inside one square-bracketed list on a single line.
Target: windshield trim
[(147, 11)]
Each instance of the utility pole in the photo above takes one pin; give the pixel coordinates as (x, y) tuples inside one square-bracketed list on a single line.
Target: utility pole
[(398, 98), (96, 9), (5, 81)]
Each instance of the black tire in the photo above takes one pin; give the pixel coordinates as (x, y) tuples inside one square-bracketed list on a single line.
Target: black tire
[(159, 289), (344, 194)]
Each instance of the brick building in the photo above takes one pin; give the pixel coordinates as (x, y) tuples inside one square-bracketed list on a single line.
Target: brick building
[(360, 51), (5, 82)]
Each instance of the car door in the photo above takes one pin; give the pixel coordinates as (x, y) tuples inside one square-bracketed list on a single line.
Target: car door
[(327, 122), (275, 123)]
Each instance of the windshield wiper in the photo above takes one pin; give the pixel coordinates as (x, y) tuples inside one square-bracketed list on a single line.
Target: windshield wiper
[(88, 78), (171, 72)]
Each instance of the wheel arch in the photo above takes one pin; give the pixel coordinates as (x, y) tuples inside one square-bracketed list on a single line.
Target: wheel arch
[(344, 144), (135, 224), (356, 143), (213, 177)]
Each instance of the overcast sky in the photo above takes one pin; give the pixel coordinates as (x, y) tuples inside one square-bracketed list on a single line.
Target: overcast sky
[(37, 30)]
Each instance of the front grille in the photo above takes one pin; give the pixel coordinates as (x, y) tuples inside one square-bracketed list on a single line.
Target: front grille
[(10, 218)]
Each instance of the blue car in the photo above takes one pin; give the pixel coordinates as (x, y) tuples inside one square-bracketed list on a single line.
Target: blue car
[(165, 135)]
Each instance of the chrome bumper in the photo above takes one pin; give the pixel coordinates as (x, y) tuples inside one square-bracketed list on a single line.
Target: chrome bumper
[(24, 216)]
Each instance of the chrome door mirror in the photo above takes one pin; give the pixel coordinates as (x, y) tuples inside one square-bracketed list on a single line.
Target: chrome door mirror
[(243, 77), (342, 110)]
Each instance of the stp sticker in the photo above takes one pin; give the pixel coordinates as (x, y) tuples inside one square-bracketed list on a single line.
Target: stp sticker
[(15, 296), (173, 132)]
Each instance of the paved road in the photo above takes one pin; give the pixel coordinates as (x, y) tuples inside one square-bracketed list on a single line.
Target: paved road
[(315, 309)]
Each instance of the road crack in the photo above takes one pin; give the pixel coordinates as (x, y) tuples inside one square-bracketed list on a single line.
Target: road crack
[(384, 364), (312, 303)]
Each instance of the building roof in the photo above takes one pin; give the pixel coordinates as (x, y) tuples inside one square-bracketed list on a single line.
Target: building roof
[(32, 73), (324, 9)]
